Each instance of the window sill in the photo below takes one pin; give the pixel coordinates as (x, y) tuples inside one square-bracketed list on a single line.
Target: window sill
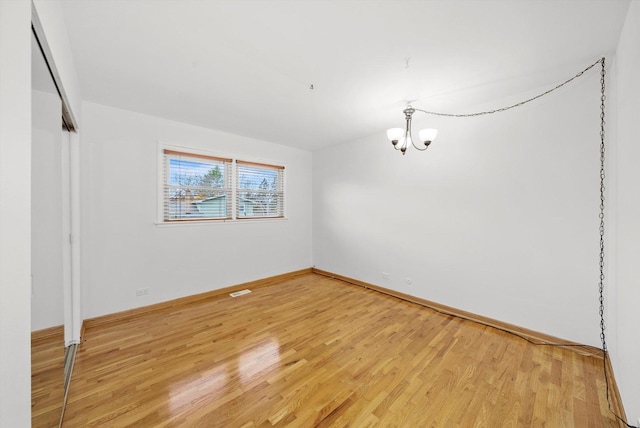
[(190, 223)]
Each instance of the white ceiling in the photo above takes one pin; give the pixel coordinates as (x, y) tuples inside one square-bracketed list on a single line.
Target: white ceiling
[(246, 67)]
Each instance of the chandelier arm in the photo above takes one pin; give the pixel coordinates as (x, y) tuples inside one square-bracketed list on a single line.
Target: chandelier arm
[(407, 137), (498, 110), (408, 113), (418, 148)]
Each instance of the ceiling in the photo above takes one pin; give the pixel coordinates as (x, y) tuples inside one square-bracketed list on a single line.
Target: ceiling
[(246, 67)]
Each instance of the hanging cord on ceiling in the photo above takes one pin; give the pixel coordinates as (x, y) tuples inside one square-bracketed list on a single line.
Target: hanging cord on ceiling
[(521, 103), (603, 97)]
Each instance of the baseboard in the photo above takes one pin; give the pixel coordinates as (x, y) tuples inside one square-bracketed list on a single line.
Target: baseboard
[(521, 331), (48, 334), (171, 304)]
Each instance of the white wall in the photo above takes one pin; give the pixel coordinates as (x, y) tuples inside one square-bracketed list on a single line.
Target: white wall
[(125, 250), (625, 350), (499, 217), (15, 223), (46, 211)]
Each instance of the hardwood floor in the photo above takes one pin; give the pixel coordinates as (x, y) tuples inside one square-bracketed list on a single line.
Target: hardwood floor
[(47, 377), (315, 351)]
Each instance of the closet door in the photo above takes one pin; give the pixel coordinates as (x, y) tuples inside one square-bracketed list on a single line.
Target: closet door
[(50, 248), (47, 301)]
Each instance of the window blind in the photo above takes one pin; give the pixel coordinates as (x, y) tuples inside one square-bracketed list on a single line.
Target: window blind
[(260, 190), (196, 187)]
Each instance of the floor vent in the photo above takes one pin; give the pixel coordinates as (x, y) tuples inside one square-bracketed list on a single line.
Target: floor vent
[(240, 293)]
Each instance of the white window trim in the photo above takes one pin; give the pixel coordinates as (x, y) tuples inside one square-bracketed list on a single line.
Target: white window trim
[(160, 222)]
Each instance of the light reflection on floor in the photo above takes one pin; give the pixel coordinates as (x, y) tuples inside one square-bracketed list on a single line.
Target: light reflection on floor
[(212, 382), (258, 358), (182, 393)]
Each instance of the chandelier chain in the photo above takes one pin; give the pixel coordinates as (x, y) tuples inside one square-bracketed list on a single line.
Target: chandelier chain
[(601, 230), (521, 103), (601, 215)]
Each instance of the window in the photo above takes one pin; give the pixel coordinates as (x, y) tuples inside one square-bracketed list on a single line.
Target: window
[(196, 187), (260, 190), (202, 187)]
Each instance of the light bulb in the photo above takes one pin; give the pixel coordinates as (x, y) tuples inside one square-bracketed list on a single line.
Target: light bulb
[(428, 135), (395, 134)]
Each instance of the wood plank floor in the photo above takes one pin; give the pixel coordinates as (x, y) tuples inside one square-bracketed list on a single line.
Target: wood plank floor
[(314, 351), (47, 380)]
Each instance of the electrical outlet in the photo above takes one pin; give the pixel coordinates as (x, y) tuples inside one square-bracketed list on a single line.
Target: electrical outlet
[(385, 275), (408, 281), (142, 291)]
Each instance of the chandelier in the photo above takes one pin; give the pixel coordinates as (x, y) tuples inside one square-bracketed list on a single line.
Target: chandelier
[(401, 138)]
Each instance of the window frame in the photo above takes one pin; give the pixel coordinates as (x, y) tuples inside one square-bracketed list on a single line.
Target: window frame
[(234, 158)]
